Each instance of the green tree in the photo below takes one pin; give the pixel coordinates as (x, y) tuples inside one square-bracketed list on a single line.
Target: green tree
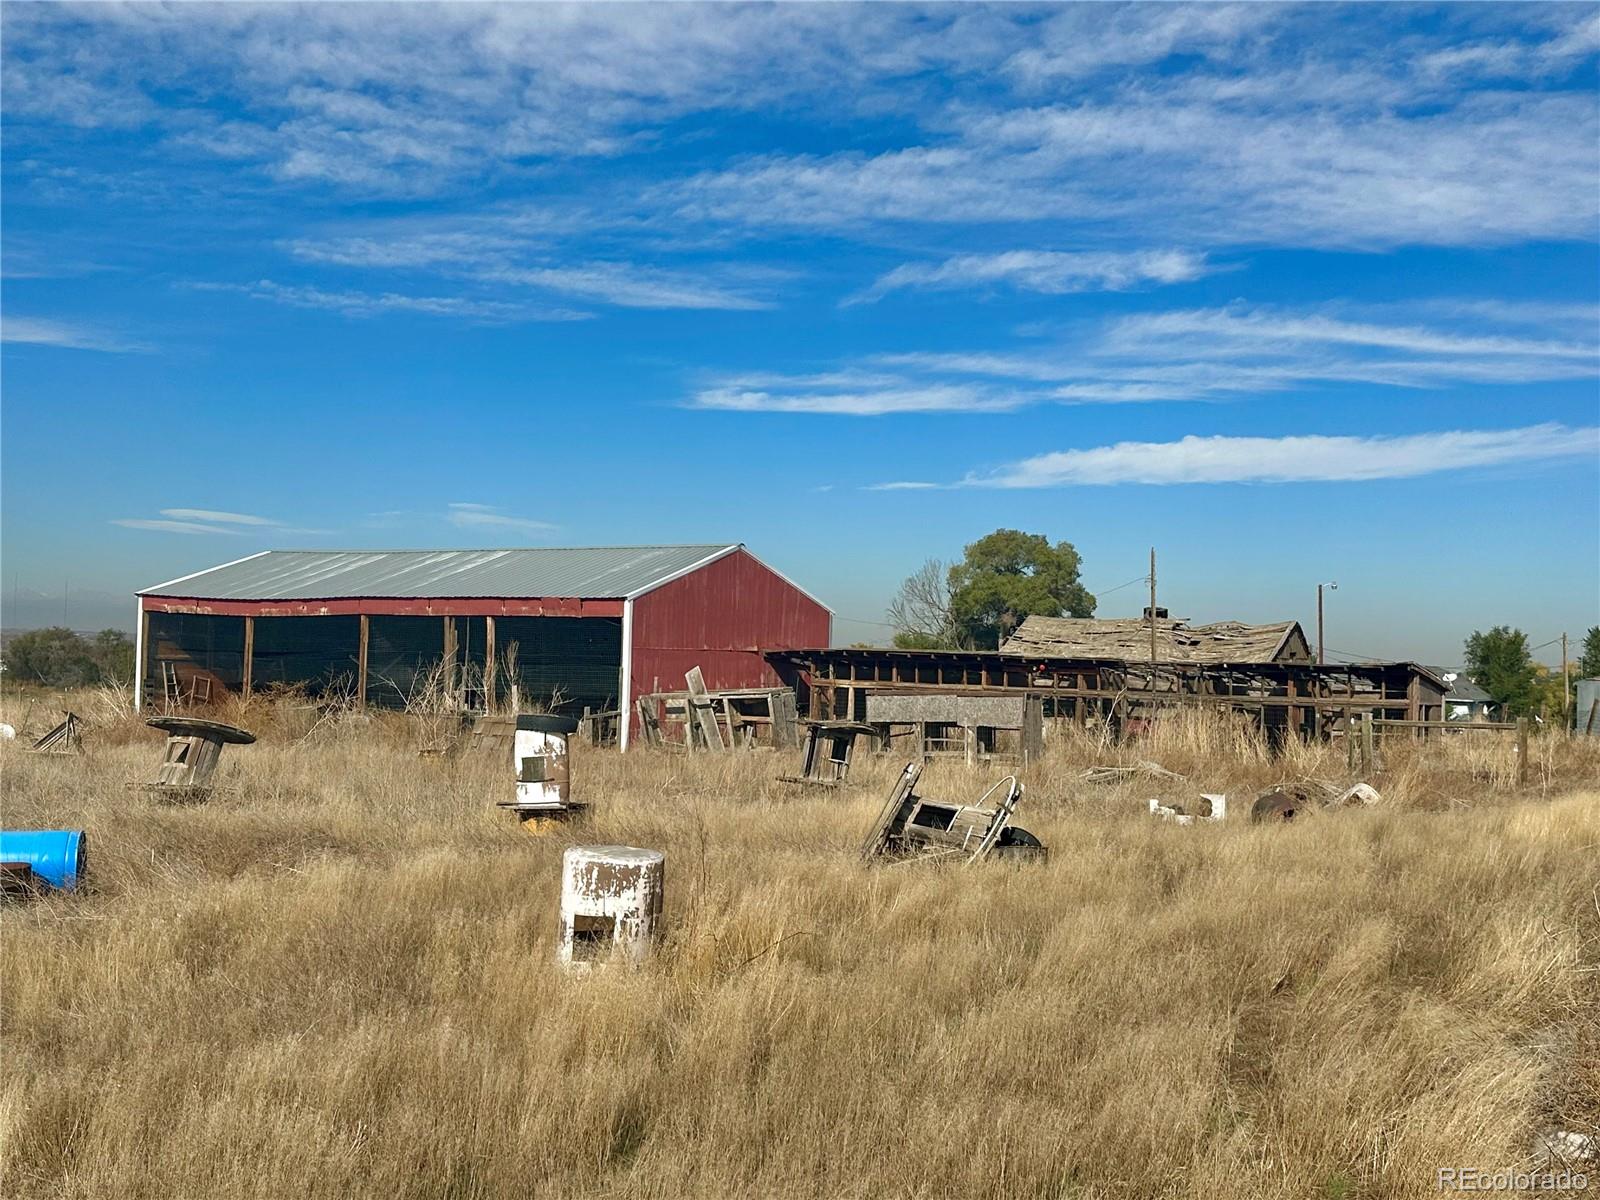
[(111, 651), (1499, 663), (1009, 575), (1589, 660), (54, 657), (58, 657)]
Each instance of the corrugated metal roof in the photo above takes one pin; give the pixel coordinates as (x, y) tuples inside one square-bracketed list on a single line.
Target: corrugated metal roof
[(599, 572)]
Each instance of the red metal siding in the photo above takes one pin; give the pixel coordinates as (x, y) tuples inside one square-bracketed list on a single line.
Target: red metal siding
[(720, 618)]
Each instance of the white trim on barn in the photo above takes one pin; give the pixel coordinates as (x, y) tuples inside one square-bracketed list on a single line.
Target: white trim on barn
[(156, 587), (625, 699)]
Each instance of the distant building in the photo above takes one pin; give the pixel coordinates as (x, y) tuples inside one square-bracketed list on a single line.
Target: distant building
[(1466, 701), (591, 627)]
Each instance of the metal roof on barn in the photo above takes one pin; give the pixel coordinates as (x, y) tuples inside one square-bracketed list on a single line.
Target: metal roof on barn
[(595, 572)]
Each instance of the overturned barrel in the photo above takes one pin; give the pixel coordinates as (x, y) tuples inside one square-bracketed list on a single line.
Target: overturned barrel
[(610, 903), (56, 857)]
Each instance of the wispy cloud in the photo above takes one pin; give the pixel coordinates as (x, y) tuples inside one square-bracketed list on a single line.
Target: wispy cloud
[(1048, 271), (1227, 332), (1184, 355), (212, 515), (66, 335), (487, 516), (1241, 124), (898, 397), (211, 521), (1308, 459), (158, 526), (370, 304), (628, 286)]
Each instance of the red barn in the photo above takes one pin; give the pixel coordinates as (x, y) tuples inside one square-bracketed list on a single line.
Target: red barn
[(575, 627)]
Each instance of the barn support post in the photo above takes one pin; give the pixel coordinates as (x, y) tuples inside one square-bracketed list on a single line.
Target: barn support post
[(449, 658), (249, 656), (361, 659), (625, 680), (488, 664), (141, 656)]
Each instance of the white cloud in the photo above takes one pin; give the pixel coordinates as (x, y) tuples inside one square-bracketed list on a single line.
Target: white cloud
[(1205, 124), (487, 516), (1185, 355), (1227, 332), (206, 514), (1048, 271), (208, 520), (892, 397), (628, 286), (368, 304), (1303, 459), (64, 335), (187, 527)]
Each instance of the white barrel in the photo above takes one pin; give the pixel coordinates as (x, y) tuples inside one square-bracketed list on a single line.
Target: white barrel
[(610, 903)]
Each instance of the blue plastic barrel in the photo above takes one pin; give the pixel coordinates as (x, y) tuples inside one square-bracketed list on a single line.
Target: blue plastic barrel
[(57, 856)]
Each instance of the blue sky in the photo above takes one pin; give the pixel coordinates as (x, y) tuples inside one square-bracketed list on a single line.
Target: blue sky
[(1292, 294)]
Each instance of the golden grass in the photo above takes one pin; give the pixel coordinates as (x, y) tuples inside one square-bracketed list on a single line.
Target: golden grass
[(337, 979)]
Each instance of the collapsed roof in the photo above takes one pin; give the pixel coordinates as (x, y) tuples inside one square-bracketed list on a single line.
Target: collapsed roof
[(1176, 640)]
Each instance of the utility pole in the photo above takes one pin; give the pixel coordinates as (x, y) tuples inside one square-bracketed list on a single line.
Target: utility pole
[(1322, 654), (1566, 686), (1152, 622)]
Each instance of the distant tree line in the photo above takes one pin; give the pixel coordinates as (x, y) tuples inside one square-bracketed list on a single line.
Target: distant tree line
[(58, 657)]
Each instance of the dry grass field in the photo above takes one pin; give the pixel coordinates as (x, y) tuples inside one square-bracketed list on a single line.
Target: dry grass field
[(336, 979)]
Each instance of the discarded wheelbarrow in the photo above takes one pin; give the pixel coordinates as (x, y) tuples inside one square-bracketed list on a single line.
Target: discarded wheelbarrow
[(829, 747), (913, 826), (194, 747)]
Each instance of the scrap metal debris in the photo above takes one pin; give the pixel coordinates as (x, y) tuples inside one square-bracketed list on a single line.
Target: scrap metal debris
[(1209, 806), (1288, 800), (912, 826), (1123, 774), (1361, 795)]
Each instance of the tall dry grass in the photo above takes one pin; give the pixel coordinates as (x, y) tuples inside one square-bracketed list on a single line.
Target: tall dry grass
[(336, 979)]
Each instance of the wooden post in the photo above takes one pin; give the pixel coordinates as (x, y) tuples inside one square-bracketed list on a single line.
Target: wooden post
[(1522, 751), (361, 660), (1367, 748), (1152, 627), (1566, 687), (245, 670), (449, 657), (489, 669)]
